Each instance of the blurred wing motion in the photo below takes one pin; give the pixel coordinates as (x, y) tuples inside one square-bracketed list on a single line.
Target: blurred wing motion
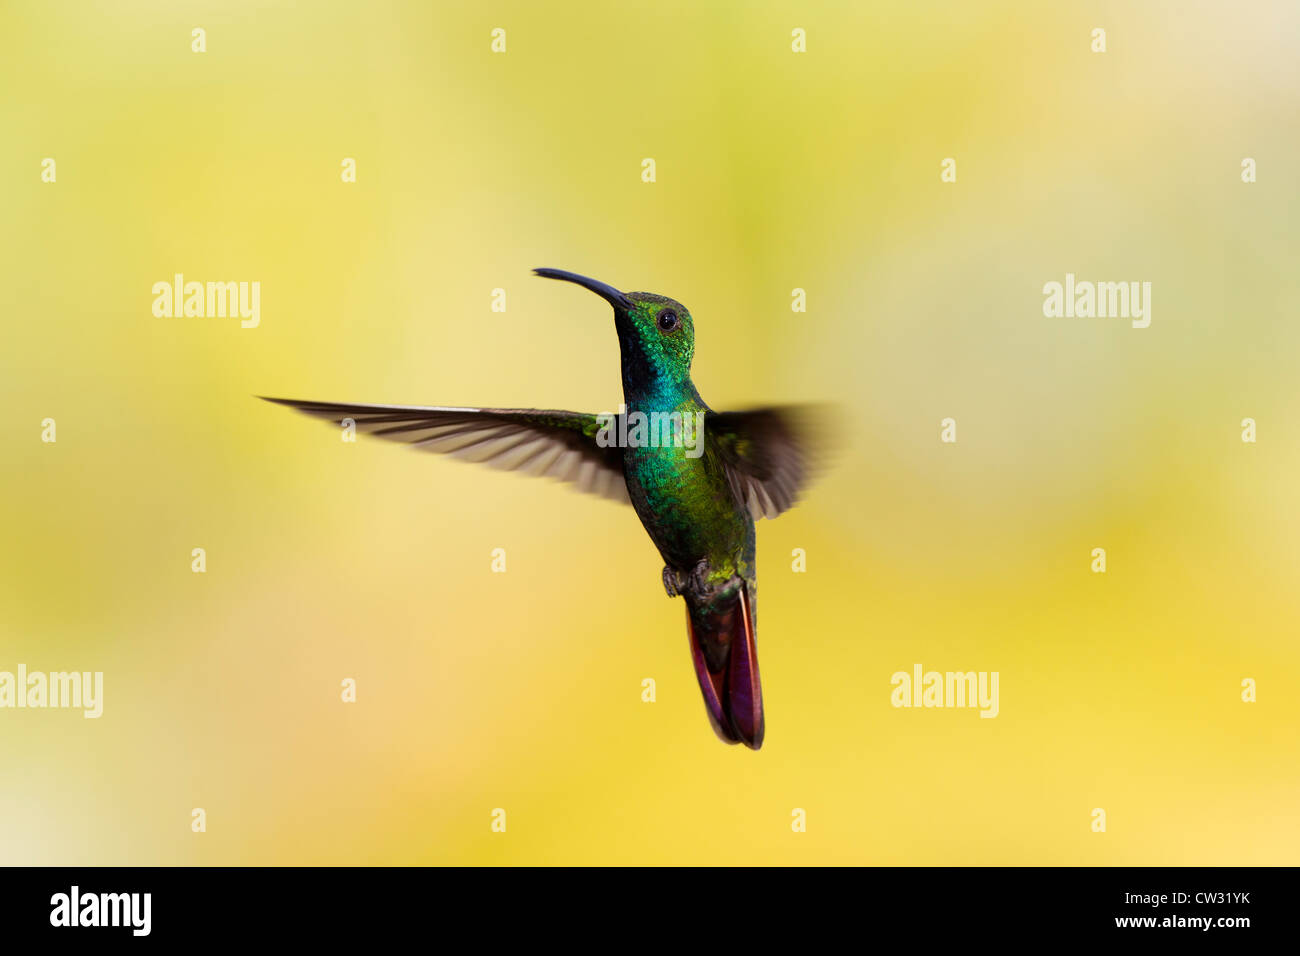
[(769, 453), (555, 444)]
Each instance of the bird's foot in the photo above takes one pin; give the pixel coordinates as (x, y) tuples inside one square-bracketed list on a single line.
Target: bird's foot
[(699, 579), (672, 581), (701, 585), (698, 583)]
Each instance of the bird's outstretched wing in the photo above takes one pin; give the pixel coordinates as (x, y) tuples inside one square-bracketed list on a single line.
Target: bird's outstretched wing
[(550, 443), (770, 453)]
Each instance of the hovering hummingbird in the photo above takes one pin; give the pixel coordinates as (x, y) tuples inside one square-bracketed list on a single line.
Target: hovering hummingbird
[(698, 504)]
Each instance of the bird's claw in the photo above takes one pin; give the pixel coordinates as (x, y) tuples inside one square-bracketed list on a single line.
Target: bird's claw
[(672, 581), (696, 583), (699, 579)]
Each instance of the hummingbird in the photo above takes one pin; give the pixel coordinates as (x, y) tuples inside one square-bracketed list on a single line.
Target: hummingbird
[(697, 502)]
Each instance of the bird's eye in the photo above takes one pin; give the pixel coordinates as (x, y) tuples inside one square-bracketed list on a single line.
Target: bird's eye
[(667, 320)]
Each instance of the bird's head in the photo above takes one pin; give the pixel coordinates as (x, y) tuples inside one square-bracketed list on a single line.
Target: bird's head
[(655, 333)]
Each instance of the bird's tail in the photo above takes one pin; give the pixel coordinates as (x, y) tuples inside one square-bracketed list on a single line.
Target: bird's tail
[(726, 663)]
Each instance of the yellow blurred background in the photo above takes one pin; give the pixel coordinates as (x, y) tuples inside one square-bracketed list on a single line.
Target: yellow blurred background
[(775, 170)]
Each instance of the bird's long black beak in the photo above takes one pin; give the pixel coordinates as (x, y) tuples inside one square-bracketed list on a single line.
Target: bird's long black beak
[(607, 292)]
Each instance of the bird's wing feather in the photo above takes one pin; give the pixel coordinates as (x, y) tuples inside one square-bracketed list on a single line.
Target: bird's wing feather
[(769, 453), (556, 444)]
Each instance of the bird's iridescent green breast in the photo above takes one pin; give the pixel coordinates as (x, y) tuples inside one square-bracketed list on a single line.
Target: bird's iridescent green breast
[(684, 499)]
